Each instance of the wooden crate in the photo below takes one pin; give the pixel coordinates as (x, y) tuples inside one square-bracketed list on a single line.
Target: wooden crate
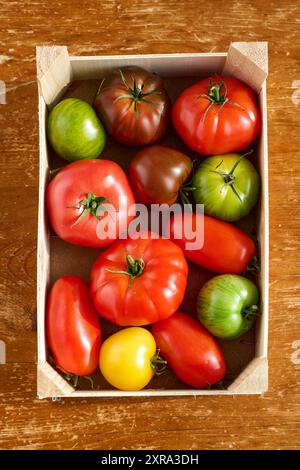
[(55, 71)]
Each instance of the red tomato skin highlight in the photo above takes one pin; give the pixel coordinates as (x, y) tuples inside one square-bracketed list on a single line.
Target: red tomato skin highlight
[(226, 249), (190, 350), (73, 327), (155, 294), (231, 128), (72, 185)]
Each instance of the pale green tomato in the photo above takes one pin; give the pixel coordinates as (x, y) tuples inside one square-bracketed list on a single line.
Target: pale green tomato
[(227, 305), (227, 185), (74, 130)]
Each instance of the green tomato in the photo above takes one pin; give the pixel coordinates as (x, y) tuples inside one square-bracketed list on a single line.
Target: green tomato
[(227, 305), (227, 185), (75, 131)]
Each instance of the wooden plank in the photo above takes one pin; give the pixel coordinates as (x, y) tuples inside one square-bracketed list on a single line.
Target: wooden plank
[(130, 423), (53, 71)]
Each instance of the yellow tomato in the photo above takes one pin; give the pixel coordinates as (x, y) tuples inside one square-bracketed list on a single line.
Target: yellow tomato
[(125, 358)]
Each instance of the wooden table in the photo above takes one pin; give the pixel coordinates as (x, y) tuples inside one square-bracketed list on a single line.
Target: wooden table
[(145, 26)]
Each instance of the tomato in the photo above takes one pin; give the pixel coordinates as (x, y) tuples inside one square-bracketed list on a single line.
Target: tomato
[(191, 352), (157, 174), (226, 249), (74, 130), (138, 282), (217, 115), (73, 327), (227, 305), (227, 185), (81, 197), (128, 359), (133, 105)]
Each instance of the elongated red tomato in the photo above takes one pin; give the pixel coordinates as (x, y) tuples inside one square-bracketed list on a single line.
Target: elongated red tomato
[(85, 198), (217, 115), (190, 350), (73, 326), (226, 249), (138, 282)]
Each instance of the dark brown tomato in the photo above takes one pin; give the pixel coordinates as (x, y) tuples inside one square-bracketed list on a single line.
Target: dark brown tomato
[(157, 174), (134, 106)]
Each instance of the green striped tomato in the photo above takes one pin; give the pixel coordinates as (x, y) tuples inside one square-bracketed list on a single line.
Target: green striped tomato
[(227, 305), (227, 185), (74, 130)]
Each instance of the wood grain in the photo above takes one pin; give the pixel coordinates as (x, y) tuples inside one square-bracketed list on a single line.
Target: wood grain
[(145, 26)]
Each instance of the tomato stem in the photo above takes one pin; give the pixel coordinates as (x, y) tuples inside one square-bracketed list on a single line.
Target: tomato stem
[(91, 205), (239, 161), (217, 95), (250, 312), (229, 177), (185, 189), (184, 197), (136, 93), (253, 265), (134, 268), (158, 364)]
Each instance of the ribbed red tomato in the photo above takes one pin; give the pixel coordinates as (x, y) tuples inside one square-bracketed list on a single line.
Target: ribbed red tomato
[(226, 249), (190, 350), (137, 282), (133, 105), (217, 115), (83, 195), (73, 326)]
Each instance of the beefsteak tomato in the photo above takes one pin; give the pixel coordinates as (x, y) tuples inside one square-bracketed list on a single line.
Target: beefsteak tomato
[(191, 352), (217, 115), (81, 197), (158, 173), (73, 327), (226, 249), (133, 105), (139, 281)]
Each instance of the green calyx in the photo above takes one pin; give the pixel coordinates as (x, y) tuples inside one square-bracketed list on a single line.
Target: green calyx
[(91, 205), (136, 94), (158, 364), (134, 268), (250, 312), (73, 379), (217, 95), (229, 177), (217, 92), (253, 265)]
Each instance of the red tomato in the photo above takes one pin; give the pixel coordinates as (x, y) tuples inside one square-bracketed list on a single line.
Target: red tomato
[(190, 351), (73, 327), (217, 115), (133, 105), (80, 198), (226, 249), (137, 282)]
